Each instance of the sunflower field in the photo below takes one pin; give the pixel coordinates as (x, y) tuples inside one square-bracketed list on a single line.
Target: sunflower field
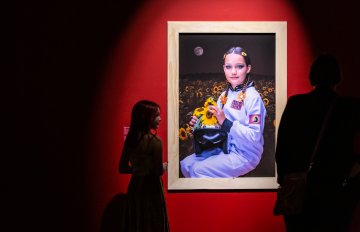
[(195, 89)]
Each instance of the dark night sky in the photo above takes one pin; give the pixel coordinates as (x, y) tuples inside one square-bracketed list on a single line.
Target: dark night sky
[(260, 48)]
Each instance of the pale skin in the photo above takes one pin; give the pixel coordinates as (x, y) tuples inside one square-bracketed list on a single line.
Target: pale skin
[(235, 69), (157, 120)]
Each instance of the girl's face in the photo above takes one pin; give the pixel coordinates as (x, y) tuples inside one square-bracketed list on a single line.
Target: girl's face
[(156, 122), (235, 69)]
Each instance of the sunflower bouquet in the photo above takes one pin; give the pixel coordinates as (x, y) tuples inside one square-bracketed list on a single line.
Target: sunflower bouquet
[(205, 118)]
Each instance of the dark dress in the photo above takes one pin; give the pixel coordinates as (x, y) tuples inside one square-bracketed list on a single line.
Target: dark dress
[(145, 207), (325, 208)]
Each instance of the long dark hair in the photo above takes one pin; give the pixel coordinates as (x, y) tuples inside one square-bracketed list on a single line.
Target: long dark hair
[(143, 115), (239, 51)]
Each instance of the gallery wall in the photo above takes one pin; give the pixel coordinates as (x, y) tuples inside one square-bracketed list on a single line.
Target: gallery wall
[(81, 65), (137, 70)]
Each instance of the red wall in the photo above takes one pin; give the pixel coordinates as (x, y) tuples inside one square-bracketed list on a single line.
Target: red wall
[(81, 65), (137, 70)]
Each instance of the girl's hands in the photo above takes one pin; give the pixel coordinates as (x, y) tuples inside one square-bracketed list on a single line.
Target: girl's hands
[(193, 120), (219, 113)]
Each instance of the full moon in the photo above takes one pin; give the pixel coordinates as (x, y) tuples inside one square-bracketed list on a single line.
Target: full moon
[(198, 51)]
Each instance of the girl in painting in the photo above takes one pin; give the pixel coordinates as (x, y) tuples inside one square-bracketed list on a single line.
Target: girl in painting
[(241, 113)]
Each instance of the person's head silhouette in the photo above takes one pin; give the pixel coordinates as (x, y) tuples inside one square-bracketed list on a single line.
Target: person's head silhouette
[(325, 71)]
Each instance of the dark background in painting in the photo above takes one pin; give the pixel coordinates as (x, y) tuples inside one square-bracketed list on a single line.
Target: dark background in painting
[(261, 49), (203, 76)]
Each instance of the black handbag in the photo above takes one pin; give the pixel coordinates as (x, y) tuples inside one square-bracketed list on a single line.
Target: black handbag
[(206, 139), (291, 194)]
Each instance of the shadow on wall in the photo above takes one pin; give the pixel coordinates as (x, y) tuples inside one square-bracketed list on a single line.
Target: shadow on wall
[(113, 213)]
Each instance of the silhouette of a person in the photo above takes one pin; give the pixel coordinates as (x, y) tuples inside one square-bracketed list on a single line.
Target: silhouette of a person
[(145, 206), (299, 128)]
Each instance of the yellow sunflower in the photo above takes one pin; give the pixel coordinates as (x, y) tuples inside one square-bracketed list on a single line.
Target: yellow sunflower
[(208, 119), (182, 134), (223, 99), (203, 114), (266, 101), (210, 101), (199, 111), (241, 96), (188, 129), (215, 89)]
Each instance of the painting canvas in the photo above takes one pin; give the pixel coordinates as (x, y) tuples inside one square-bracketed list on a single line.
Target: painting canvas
[(195, 73)]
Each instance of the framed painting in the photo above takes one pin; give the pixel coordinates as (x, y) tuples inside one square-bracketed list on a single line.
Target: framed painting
[(195, 74)]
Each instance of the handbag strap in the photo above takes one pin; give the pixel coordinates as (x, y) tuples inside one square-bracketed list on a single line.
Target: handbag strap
[(321, 132)]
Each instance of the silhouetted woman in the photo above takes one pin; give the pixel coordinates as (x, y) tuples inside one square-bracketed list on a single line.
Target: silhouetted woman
[(145, 208)]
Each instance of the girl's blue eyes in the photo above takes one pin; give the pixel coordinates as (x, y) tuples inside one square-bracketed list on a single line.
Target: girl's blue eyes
[(237, 67)]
